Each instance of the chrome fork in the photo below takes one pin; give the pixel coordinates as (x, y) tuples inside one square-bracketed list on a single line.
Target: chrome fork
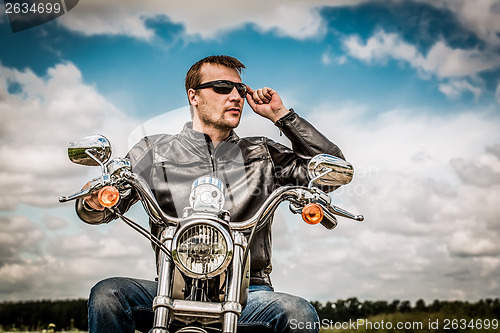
[(164, 291), (232, 305)]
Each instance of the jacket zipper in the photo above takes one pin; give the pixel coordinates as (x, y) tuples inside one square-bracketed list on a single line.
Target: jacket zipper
[(212, 159)]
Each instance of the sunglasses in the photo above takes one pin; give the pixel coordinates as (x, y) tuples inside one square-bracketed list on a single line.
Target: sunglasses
[(224, 87)]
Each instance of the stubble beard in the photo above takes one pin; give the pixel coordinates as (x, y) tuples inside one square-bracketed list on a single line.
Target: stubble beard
[(220, 123)]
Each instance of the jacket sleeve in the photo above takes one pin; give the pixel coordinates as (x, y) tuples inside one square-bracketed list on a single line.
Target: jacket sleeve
[(291, 164), (141, 157)]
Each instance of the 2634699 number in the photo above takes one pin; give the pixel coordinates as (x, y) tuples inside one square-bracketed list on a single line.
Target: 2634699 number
[(453, 324), (33, 8)]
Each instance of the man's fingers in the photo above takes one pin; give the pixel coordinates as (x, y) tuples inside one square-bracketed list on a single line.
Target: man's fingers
[(249, 90), (252, 97), (93, 201), (268, 93), (259, 96), (262, 96)]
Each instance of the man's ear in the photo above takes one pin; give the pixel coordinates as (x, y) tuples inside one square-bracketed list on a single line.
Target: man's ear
[(192, 97)]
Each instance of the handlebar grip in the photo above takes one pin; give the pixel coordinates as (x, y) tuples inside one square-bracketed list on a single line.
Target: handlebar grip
[(329, 221)]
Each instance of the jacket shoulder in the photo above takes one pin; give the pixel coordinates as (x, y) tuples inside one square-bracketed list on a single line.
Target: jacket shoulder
[(147, 145), (254, 140), (264, 142), (149, 141), (262, 147)]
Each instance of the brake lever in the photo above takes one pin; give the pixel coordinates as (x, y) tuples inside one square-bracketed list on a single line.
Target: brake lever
[(94, 185), (344, 213), (326, 201), (81, 194)]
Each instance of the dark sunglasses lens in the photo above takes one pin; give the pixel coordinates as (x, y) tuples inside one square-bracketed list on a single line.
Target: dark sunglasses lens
[(223, 88), (242, 89), (226, 88)]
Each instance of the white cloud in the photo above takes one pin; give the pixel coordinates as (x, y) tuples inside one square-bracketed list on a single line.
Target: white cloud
[(328, 58), (445, 61), (16, 232), (380, 47), (468, 244), (441, 60), (40, 116), (296, 18), (65, 263), (454, 67), (483, 171), (481, 16), (168, 122), (456, 88)]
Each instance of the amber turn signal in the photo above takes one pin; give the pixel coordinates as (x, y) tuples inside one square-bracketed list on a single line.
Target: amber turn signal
[(108, 196), (312, 213)]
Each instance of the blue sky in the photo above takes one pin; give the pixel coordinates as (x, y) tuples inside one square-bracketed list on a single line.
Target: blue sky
[(410, 91)]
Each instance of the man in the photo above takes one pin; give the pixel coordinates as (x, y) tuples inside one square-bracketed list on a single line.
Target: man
[(251, 169)]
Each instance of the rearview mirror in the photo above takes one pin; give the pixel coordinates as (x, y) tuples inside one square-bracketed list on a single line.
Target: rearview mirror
[(94, 150), (329, 170)]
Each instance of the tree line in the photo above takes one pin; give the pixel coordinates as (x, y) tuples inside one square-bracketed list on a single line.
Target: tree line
[(352, 308), (38, 315), (72, 314)]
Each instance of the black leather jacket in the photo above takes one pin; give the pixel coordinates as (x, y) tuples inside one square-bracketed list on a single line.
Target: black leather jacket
[(251, 169)]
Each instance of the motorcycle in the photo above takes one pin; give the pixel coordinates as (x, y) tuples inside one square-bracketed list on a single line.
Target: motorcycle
[(204, 270)]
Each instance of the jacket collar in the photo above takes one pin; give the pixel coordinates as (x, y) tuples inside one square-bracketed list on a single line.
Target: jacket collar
[(194, 136)]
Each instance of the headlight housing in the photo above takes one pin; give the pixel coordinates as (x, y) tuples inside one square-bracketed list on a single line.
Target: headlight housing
[(207, 195), (202, 249)]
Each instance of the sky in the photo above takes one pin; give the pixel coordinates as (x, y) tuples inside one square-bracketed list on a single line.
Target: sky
[(409, 90)]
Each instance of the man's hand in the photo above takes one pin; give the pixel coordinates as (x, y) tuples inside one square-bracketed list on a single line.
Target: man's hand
[(92, 200), (267, 103)]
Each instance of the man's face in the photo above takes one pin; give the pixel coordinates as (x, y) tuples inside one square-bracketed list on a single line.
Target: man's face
[(218, 110)]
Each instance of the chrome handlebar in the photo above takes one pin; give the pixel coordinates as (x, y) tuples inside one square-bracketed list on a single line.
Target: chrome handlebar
[(297, 195), (148, 200)]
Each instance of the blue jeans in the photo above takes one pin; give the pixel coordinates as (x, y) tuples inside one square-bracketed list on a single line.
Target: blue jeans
[(124, 305)]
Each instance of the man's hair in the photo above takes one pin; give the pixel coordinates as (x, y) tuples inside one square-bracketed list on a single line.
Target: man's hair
[(193, 76)]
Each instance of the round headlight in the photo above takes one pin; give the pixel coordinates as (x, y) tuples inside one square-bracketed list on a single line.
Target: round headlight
[(202, 250)]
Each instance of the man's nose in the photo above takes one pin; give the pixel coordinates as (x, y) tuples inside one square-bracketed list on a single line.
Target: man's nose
[(234, 94)]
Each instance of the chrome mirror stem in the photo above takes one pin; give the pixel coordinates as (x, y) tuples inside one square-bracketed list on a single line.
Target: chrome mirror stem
[(105, 174), (318, 177)]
